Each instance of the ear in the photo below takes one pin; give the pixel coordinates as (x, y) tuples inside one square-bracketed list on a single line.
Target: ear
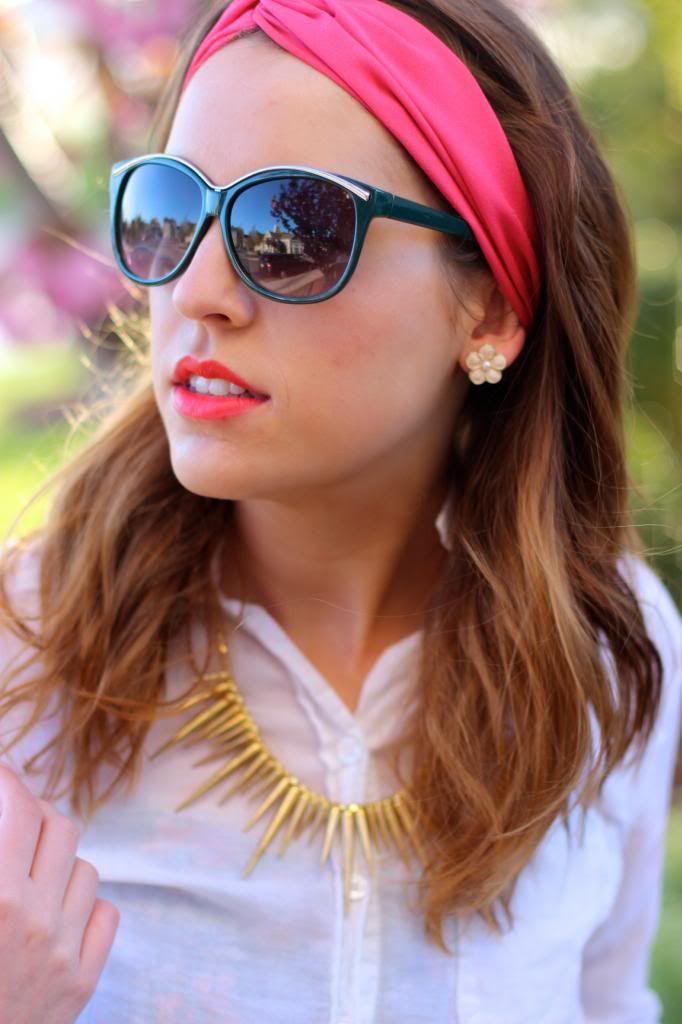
[(495, 324)]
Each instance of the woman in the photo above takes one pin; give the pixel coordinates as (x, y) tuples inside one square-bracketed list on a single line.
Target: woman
[(391, 597)]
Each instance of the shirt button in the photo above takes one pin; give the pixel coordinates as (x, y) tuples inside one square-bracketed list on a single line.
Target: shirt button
[(358, 887), (349, 749)]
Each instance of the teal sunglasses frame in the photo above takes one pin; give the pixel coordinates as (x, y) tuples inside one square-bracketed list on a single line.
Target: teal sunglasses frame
[(217, 201)]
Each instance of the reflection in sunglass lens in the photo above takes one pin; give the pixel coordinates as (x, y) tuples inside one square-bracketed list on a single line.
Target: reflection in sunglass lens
[(293, 236), (158, 215)]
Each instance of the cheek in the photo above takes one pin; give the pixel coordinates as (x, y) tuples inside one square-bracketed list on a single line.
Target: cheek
[(372, 374), (354, 376), (391, 328), (164, 328)]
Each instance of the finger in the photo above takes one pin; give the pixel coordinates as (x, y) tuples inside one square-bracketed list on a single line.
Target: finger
[(97, 940), (20, 824), (54, 858), (79, 902)]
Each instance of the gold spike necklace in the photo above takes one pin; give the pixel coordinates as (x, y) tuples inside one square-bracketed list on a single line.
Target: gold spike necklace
[(387, 823)]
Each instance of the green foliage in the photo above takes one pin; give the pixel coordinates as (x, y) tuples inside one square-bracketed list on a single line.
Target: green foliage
[(666, 976)]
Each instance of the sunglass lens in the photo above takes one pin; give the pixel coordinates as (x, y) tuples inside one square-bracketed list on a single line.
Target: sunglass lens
[(293, 235), (158, 215)]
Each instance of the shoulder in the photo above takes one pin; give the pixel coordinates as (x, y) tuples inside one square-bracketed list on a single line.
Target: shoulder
[(663, 623), (19, 663), (19, 567), (643, 784), (20, 578), (661, 615)]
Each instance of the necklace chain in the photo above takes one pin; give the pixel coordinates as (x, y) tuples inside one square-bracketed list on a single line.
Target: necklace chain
[(386, 824)]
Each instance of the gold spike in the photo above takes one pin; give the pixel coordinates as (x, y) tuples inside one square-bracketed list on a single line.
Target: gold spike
[(240, 731), (321, 805), (275, 771), (324, 805), (347, 819), (361, 822), (233, 743), (219, 691), (227, 720), (381, 826), (407, 820), (220, 775), (394, 826), (371, 825), (281, 785), (272, 828), (225, 691), (388, 823), (219, 755), (222, 675), (235, 735), (245, 734), (306, 815), (260, 775), (189, 728), (205, 716), (165, 746), (256, 765), (303, 801), (234, 714), (211, 728), (332, 821), (189, 702)]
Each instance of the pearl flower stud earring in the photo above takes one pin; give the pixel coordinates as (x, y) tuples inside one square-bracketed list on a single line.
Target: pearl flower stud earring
[(485, 365)]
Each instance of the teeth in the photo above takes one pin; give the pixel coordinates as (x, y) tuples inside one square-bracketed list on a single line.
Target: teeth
[(214, 386)]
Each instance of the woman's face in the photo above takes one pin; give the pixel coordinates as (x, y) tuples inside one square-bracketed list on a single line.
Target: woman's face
[(365, 384)]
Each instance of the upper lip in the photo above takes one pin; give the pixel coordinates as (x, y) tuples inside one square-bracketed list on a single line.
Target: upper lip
[(189, 366)]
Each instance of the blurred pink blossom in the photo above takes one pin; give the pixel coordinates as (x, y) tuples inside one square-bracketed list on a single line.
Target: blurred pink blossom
[(51, 284), (134, 21)]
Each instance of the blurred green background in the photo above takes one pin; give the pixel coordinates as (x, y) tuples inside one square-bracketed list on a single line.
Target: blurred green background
[(78, 82)]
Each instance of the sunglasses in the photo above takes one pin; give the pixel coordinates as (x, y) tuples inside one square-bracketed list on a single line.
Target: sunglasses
[(293, 234)]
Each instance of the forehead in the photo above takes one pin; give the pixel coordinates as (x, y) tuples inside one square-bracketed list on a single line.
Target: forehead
[(252, 104)]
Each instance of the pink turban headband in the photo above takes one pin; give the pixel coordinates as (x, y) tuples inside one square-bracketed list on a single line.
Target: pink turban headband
[(428, 99)]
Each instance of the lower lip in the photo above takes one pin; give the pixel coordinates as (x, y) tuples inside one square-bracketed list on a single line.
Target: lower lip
[(212, 407)]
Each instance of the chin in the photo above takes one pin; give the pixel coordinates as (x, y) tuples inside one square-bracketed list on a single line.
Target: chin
[(210, 478)]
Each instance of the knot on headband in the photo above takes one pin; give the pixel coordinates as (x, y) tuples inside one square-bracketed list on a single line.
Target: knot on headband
[(428, 99)]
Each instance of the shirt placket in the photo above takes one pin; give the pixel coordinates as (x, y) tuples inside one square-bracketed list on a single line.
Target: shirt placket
[(355, 971), (349, 770), (359, 946)]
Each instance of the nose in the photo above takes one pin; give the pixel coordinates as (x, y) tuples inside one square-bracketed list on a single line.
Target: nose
[(210, 285)]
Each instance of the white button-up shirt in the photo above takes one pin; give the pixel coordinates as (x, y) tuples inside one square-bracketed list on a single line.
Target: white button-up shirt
[(199, 944)]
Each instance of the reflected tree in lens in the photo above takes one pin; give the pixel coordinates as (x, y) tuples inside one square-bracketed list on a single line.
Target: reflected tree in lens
[(293, 234), (317, 213)]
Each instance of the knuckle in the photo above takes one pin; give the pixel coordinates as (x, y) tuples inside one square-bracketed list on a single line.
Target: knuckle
[(87, 869), (9, 906), (15, 793), (110, 912), (39, 932), (68, 827), (82, 987), (9, 776), (61, 962)]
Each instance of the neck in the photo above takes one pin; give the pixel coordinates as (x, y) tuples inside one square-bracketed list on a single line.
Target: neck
[(360, 577)]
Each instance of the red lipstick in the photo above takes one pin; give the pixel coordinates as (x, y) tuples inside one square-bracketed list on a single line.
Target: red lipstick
[(188, 366), (198, 405)]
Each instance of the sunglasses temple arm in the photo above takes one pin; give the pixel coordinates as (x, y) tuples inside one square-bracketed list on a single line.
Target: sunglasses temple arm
[(416, 213)]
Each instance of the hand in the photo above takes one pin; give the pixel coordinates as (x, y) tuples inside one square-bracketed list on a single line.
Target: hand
[(55, 934)]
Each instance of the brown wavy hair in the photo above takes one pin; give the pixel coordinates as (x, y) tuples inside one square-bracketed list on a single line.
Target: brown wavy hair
[(511, 659)]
